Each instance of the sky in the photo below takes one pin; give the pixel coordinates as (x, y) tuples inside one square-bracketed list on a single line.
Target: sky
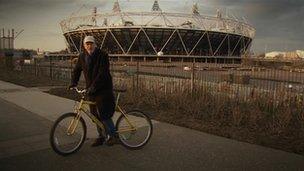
[(279, 24)]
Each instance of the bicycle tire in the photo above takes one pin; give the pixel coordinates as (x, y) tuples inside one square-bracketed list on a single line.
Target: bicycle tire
[(132, 119), (56, 125)]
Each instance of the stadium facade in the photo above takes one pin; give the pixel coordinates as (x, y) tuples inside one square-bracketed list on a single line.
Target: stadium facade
[(158, 35)]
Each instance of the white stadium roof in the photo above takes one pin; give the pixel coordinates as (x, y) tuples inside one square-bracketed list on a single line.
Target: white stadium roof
[(156, 18)]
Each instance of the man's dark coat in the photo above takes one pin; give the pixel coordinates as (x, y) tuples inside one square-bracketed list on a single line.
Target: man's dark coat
[(98, 78), (97, 73)]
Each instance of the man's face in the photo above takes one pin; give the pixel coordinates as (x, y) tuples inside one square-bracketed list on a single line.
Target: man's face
[(89, 47)]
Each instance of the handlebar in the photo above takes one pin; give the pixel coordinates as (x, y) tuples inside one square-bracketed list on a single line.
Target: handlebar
[(78, 90), (84, 91)]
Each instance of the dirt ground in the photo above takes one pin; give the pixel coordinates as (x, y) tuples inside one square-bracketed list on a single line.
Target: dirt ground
[(27, 79)]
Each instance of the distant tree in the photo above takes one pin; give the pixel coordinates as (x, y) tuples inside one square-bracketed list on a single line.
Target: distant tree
[(26, 54)]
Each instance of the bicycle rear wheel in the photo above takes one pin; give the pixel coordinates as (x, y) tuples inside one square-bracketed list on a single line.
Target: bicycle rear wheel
[(68, 134), (135, 130)]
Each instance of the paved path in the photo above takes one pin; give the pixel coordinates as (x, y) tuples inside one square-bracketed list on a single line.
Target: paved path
[(26, 115)]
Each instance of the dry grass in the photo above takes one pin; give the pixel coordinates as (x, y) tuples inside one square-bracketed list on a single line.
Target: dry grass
[(258, 120), (278, 64), (261, 119), (28, 79)]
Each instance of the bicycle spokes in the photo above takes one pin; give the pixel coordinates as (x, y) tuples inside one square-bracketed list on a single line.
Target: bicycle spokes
[(68, 133), (134, 129)]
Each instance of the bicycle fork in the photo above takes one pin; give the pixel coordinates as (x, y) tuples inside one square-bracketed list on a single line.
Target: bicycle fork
[(74, 123)]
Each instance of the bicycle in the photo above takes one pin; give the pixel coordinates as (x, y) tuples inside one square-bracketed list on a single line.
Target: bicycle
[(134, 128)]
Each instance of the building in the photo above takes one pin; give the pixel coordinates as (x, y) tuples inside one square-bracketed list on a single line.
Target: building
[(292, 55), (158, 35), (7, 41), (300, 53)]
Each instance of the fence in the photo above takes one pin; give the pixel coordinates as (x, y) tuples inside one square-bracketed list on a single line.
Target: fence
[(232, 80)]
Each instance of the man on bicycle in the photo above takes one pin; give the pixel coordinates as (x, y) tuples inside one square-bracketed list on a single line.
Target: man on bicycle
[(95, 66)]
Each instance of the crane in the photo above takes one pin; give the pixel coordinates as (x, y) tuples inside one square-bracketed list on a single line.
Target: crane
[(18, 33)]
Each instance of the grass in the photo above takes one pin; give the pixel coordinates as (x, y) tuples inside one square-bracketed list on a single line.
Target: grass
[(256, 121), (260, 120), (28, 79)]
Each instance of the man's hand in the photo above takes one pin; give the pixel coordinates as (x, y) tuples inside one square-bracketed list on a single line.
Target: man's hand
[(70, 87), (91, 91)]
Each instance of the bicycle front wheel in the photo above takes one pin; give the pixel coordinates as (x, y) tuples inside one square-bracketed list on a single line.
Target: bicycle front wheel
[(134, 130), (68, 134)]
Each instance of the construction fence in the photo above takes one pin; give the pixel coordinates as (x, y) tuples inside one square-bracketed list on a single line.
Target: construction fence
[(230, 79)]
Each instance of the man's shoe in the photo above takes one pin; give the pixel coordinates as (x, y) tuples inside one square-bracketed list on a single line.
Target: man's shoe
[(98, 141), (112, 140)]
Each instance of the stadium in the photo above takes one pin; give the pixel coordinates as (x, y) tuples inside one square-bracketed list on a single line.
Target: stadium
[(161, 36)]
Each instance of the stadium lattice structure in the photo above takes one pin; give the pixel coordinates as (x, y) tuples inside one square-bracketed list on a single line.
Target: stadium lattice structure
[(158, 35)]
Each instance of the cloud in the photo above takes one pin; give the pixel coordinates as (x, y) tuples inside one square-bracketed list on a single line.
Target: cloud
[(278, 22), (40, 20), (32, 4)]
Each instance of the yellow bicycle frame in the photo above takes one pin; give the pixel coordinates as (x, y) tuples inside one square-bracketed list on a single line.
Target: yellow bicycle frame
[(82, 109)]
